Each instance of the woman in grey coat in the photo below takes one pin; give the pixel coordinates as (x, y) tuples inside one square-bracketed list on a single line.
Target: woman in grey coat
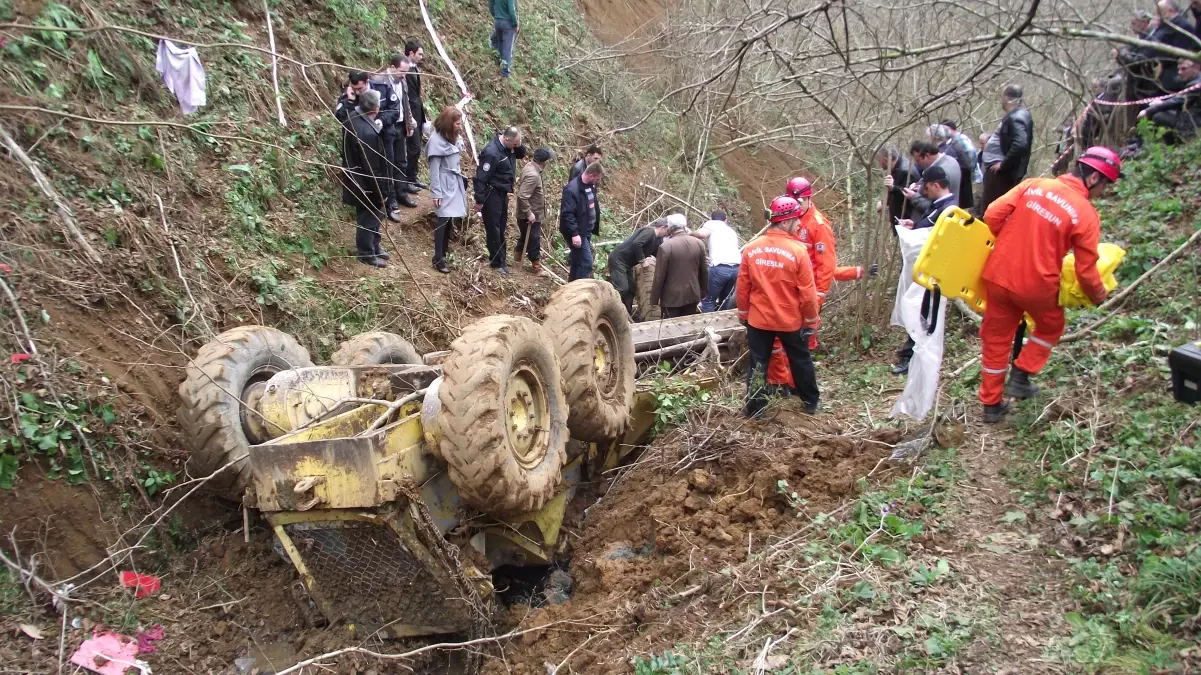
[(448, 187)]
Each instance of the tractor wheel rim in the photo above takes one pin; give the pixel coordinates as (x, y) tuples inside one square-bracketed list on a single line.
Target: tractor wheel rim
[(604, 359), (527, 417), (254, 426)]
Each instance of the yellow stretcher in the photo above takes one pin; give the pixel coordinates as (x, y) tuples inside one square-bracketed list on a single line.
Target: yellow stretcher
[(952, 261)]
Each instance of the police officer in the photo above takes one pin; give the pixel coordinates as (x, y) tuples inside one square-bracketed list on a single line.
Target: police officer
[(494, 178)]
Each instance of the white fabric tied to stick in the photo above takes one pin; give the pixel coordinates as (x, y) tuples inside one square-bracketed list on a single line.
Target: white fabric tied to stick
[(921, 387), (182, 74)]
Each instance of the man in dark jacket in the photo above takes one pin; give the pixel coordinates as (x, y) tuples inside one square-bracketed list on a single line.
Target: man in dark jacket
[(579, 219), (1180, 113), (397, 133), (591, 156), (494, 179), (1007, 154), (681, 273), (415, 54), (1174, 30), (364, 176), (898, 176), (637, 247), (392, 131), (936, 187)]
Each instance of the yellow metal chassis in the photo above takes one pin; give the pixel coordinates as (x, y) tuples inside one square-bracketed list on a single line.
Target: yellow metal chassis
[(333, 470)]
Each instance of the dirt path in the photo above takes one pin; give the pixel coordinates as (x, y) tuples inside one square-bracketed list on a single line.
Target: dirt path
[(990, 539)]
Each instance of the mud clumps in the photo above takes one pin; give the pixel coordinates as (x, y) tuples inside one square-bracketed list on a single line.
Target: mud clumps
[(654, 556)]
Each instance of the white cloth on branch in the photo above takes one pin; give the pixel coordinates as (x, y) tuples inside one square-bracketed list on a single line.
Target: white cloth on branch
[(922, 384), (183, 74)]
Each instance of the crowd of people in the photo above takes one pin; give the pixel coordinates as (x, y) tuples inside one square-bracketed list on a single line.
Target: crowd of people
[(1147, 83), (781, 278)]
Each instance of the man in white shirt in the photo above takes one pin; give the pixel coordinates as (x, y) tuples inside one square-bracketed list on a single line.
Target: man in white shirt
[(724, 258)]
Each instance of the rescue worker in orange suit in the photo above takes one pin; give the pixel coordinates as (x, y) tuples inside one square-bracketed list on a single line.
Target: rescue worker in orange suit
[(777, 299), (818, 237), (1035, 225)]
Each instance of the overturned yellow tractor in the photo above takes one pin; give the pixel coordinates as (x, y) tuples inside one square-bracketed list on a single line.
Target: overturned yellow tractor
[(395, 486)]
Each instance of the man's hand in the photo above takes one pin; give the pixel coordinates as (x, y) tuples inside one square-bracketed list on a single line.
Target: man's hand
[(350, 95), (1142, 114), (646, 262), (530, 217), (408, 131), (995, 167), (576, 242), (909, 192), (479, 208), (905, 223), (889, 181), (437, 202), (879, 206), (873, 270)]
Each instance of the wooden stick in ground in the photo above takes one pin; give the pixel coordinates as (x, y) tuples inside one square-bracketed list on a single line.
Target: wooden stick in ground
[(206, 328), (279, 104), (43, 183), (1113, 303)]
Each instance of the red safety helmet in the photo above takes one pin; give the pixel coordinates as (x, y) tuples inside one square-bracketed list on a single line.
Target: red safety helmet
[(784, 208), (1104, 160), (799, 188)]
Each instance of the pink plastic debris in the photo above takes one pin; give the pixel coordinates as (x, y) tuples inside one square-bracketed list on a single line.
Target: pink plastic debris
[(109, 654), (147, 638)]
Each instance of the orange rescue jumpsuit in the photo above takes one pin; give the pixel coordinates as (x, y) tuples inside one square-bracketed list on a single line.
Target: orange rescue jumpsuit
[(1036, 224), (818, 237), (776, 293)]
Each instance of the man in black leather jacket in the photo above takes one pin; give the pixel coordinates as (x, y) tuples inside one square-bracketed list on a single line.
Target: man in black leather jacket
[(1007, 154)]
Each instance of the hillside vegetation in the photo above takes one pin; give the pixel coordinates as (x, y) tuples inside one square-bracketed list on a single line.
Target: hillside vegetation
[(252, 229)]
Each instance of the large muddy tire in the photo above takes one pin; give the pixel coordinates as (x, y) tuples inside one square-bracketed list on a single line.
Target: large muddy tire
[(376, 349), (504, 418), (226, 372), (590, 330)]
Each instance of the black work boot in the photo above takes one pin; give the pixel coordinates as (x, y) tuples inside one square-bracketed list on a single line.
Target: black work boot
[(406, 201), (1019, 385), (900, 367), (994, 413)]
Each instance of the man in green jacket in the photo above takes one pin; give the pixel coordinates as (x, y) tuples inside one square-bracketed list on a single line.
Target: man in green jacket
[(504, 31)]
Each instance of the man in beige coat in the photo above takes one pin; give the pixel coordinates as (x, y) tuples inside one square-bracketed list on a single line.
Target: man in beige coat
[(531, 209), (681, 272)]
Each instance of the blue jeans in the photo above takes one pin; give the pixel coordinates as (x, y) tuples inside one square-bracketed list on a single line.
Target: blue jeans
[(579, 260), (721, 288), (503, 35)]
